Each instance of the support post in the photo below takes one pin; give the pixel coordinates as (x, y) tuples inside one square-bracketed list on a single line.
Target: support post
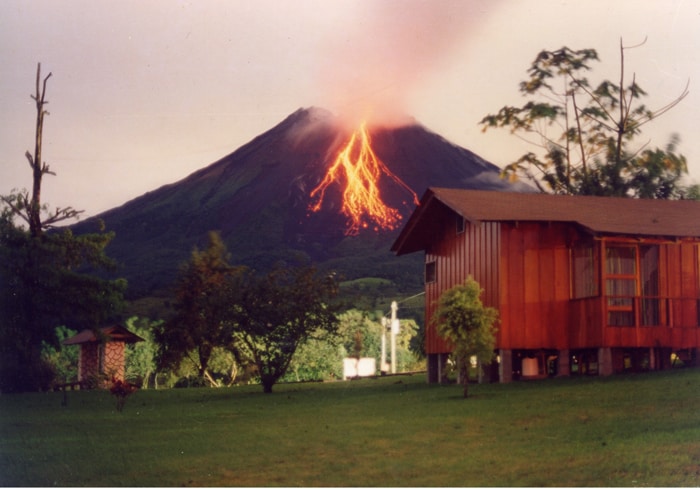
[(605, 363), (442, 364), (394, 332), (382, 367), (563, 363), (505, 367)]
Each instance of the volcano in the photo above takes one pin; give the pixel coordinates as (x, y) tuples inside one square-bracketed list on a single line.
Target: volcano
[(285, 196)]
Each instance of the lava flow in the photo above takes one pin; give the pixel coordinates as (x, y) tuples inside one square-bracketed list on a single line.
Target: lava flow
[(359, 169)]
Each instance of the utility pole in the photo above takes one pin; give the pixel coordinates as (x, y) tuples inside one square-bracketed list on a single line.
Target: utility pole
[(382, 367), (394, 332)]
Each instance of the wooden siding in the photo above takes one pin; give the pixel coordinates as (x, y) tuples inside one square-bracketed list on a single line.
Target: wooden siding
[(535, 286), (475, 252), (679, 303), (524, 269)]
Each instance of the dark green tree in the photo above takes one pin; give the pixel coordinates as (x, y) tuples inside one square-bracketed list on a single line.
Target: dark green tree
[(139, 357), (202, 319), (277, 312), (462, 320), (63, 360), (45, 274), (586, 134)]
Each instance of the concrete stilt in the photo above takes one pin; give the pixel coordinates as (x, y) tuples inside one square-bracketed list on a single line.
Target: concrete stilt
[(563, 364), (605, 363), (505, 367), (442, 367)]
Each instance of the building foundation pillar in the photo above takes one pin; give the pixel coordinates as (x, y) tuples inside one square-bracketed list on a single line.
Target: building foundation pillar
[(605, 361), (563, 363), (505, 366)]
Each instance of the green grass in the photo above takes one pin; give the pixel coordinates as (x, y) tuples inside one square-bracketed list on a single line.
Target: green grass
[(632, 430)]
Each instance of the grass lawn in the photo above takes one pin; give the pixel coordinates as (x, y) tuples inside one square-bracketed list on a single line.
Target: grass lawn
[(631, 430)]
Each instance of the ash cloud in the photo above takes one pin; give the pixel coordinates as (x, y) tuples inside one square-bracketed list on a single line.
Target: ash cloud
[(375, 64)]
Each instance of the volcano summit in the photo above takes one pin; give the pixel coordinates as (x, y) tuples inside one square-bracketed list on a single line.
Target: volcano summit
[(308, 189)]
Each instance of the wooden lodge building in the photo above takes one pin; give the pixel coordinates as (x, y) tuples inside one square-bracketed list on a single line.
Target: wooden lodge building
[(583, 285)]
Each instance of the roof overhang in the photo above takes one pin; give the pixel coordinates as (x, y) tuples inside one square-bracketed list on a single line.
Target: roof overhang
[(108, 333), (599, 216)]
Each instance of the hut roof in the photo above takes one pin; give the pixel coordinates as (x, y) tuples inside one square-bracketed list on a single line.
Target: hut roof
[(598, 215), (110, 333)]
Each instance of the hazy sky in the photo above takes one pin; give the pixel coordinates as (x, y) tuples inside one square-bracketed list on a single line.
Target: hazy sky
[(145, 92)]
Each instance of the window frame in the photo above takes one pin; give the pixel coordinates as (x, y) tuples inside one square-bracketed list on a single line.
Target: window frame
[(460, 224), (430, 272), (642, 307), (589, 285)]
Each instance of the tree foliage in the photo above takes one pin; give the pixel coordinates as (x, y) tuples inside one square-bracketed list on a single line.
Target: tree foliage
[(462, 320), (277, 312), (63, 361), (140, 357), (321, 357), (261, 320), (202, 319), (44, 277), (586, 133)]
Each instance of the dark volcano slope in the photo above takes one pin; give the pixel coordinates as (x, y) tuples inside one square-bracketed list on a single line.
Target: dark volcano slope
[(258, 199)]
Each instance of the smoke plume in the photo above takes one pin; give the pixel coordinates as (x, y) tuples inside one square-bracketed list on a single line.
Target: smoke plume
[(388, 48)]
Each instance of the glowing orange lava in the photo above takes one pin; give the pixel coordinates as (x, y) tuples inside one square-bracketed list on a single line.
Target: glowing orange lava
[(359, 169)]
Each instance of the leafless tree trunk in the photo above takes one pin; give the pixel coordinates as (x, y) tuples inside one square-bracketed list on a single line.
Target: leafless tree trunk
[(24, 206)]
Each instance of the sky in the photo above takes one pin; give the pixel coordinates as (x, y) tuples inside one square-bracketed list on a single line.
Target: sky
[(145, 92)]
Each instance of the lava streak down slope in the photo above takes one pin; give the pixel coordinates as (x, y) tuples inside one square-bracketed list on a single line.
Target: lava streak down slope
[(266, 200)]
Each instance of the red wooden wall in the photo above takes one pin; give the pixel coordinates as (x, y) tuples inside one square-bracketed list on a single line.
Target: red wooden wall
[(534, 286), (457, 255), (524, 269)]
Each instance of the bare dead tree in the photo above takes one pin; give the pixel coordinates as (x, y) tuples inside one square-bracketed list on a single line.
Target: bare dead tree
[(27, 207)]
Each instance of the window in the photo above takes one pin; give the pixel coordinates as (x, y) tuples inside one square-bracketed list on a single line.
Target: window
[(621, 284), (430, 272), (632, 285), (460, 224), (649, 275), (584, 271)]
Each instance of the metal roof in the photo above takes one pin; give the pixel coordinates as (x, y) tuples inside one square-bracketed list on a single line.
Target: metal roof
[(111, 333), (598, 215)]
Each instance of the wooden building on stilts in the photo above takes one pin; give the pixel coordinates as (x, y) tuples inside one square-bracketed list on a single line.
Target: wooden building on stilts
[(583, 285)]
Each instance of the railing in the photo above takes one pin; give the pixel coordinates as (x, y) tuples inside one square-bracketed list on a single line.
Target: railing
[(633, 311), (652, 311)]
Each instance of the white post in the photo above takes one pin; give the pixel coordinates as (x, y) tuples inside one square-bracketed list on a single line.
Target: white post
[(382, 367), (394, 332)]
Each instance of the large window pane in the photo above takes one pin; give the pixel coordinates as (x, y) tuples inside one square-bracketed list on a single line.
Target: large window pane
[(650, 311), (584, 271), (620, 260), (649, 264), (621, 286)]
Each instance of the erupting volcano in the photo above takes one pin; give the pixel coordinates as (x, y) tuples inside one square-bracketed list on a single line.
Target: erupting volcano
[(360, 171), (306, 190)]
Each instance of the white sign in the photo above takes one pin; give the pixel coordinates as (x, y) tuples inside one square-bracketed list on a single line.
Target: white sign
[(395, 326), (366, 367)]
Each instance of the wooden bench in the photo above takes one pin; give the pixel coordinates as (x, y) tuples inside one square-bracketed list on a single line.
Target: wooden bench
[(70, 385)]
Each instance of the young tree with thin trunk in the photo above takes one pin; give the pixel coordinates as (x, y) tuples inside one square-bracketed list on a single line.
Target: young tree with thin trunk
[(468, 325)]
